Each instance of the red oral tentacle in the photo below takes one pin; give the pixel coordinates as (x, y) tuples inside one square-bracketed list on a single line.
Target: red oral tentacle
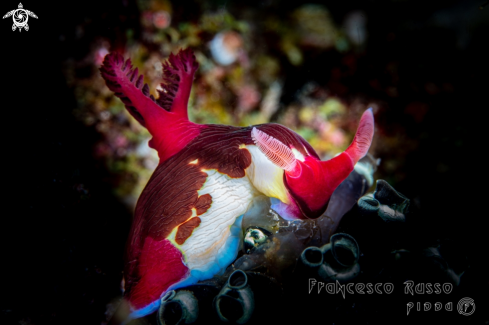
[(337, 169), (363, 137), (317, 180), (307, 187)]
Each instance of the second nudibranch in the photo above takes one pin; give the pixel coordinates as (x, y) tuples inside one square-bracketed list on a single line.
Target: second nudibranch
[(187, 223)]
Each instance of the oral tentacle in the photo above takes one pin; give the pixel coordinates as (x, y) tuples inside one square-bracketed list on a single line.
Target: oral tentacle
[(338, 168), (363, 137), (319, 179)]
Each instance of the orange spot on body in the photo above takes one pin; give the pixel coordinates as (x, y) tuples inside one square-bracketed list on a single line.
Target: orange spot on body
[(203, 204), (185, 230)]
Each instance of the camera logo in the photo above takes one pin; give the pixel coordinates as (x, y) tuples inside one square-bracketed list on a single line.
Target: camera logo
[(466, 306)]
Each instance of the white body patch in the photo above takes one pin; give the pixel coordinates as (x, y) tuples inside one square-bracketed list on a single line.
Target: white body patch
[(298, 155), (206, 247), (214, 244), (267, 177)]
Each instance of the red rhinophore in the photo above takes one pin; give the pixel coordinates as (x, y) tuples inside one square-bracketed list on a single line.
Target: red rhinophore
[(276, 151), (165, 118)]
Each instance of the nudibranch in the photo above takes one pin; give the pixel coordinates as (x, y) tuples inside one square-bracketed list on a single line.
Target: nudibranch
[(187, 222)]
